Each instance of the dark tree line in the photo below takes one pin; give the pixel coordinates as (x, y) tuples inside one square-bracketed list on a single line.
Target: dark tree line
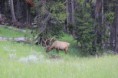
[(17, 12)]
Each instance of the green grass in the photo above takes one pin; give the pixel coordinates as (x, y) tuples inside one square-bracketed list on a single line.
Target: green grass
[(104, 67), (6, 31), (19, 49), (69, 65)]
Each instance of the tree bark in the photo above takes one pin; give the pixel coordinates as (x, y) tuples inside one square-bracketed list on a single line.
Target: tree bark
[(28, 14), (116, 27), (12, 11), (112, 35), (70, 10), (2, 4), (18, 10), (99, 21)]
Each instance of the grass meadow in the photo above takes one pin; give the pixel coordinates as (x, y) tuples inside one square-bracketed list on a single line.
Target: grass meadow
[(71, 65)]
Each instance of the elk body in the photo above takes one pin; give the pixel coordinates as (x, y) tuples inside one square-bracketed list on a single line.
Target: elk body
[(59, 45)]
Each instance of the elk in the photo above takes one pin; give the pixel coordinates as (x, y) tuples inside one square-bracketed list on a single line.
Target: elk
[(58, 45)]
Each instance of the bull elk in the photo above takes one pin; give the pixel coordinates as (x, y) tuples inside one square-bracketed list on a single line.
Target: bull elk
[(58, 45)]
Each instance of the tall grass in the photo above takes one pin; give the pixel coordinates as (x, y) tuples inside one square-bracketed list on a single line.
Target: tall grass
[(69, 65), (104, 67)]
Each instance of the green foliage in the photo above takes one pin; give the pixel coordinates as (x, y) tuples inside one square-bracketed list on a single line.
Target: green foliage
[(85, 29), (53, 27), (109, 17), (57, 9)]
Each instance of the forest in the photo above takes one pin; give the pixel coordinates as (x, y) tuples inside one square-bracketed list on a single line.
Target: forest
[(58, 38)]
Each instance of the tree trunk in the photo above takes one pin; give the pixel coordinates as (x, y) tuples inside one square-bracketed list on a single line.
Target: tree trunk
[(28, 14), (70, 10), (112, 35), (12, 11), (2, 4), (99, 20), (116, 27), (73, 12), (18, 10)]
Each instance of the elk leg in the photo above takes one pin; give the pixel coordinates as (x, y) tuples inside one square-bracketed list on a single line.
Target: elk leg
[(65, 51), (57, 51)]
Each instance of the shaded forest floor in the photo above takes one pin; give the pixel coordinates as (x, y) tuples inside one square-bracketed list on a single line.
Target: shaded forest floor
[(19, 60)]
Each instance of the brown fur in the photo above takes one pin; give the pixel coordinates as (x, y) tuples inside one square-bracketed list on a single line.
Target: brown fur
[(59, 45)]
